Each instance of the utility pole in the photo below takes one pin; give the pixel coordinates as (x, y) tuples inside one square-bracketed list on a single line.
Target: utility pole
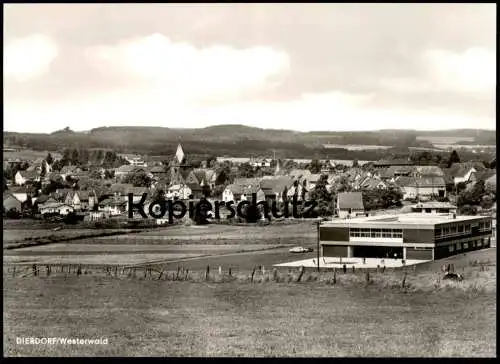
[(317, 247)]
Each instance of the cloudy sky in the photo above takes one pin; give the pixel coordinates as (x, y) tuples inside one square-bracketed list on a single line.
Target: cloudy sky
[(282, 66)]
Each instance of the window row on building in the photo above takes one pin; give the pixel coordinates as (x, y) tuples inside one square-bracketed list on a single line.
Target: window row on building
[(485, 226), (460, 229), (464, 246), (452, 230), (375, 233)]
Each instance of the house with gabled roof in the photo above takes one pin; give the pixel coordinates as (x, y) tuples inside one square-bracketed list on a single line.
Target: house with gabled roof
[(274, 187), (423, 187), (370, 183), (39, 164), (69, 171), (10, 202), (249, 190), (482, 175), (61, 193), (23, 177), (193, 178), (158, 172), (19, 192), (232, 192), (427, 171), (196, 190), (300, 174), (51, 206), (298, 190), (462, 172), (112, 206), (243, 192), (490, 183), (125, 169), (392, 172), (349, 204), (81, 200), (179, 191)]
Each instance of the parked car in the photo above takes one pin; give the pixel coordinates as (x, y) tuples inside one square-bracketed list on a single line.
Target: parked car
[(300, 249)]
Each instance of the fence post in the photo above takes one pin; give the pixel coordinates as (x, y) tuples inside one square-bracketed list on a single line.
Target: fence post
[(178, 272), (334, 275), (207, 273), (404, 281), (301, 273), (367, 277), (230, 272)]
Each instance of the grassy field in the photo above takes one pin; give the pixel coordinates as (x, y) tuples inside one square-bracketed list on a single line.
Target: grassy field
[(171, 244), (19, 239), (143, 317), (11, 235)]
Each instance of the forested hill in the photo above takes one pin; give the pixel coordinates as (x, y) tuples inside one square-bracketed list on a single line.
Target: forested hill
[(233, 140)]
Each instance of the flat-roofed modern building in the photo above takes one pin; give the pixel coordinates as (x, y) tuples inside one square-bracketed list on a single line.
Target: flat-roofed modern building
[(413, 236), (434, 207)]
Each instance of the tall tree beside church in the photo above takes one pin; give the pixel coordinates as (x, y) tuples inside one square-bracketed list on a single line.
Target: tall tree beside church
[(454, 158), (324, 198), (49, 159)]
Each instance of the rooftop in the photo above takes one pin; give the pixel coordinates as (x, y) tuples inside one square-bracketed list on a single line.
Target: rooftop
[(434, 205), (407, 219)]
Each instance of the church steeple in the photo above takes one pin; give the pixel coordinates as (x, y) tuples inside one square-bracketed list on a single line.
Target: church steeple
[(179, 154), (278, 168)]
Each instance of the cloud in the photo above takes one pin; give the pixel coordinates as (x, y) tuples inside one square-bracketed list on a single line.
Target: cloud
[(473, 70), (304, 66), (470, 71), (29, 57), (184, 72)]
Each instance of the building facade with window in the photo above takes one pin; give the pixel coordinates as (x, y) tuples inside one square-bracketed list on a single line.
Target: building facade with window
[(412, 236)]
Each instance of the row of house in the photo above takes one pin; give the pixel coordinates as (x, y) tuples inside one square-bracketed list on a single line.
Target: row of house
[(179, 180)]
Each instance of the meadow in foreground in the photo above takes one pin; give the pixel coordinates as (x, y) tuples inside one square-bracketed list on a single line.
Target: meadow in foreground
[(142, 317)]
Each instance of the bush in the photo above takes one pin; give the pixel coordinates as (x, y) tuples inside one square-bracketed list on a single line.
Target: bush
[(13, 214), (467, 210)]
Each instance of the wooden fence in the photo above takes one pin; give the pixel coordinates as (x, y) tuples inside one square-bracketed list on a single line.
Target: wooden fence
[(258, 274)]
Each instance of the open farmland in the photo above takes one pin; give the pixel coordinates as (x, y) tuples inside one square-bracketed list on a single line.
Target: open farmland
[(158, 317), (178, 244), (16, 235)]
